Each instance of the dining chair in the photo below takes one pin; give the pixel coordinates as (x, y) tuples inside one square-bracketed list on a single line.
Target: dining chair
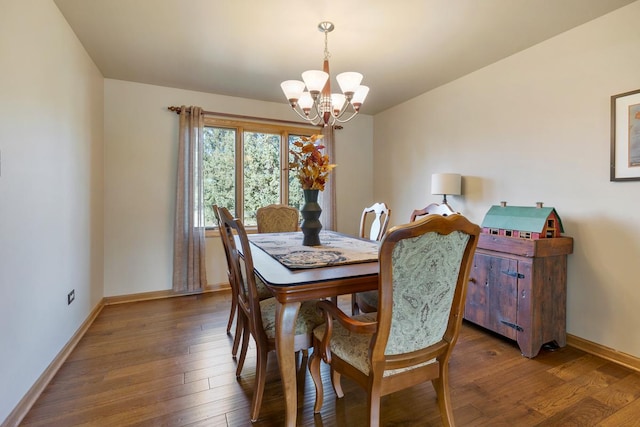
[(277, 218), (378, 216), (424, 269), (260, 314), (367, 302), (434, 208), (263, 292)]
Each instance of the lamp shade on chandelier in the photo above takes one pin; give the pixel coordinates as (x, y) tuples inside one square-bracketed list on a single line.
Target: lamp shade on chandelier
[(312, 99)]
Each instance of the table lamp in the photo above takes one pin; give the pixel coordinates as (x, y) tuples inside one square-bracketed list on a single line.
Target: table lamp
[(446, 183)]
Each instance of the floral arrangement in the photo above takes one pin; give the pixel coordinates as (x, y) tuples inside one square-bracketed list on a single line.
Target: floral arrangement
[(311, 166)]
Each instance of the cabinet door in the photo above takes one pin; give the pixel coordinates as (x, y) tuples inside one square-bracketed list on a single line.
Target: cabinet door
[(492, 294)]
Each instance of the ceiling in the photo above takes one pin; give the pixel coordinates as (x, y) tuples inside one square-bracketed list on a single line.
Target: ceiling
[(245, 48)]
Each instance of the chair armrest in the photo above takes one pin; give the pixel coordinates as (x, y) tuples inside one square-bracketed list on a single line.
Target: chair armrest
[(331, 311)]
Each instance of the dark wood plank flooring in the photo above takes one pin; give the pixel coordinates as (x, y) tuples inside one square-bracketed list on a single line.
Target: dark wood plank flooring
[(168, 363)]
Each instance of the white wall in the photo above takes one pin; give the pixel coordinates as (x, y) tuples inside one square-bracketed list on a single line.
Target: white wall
[(140, 155), (535, 127), (51, 196)]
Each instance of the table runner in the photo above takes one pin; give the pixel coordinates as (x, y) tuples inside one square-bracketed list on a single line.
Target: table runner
[(336, 249)]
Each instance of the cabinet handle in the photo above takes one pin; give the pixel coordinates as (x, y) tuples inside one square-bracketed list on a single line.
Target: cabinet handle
[(513, 274)]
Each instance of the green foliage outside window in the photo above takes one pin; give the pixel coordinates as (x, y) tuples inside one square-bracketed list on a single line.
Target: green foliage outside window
[(218, 171), (296, 195), (258, 176), (261, 173)]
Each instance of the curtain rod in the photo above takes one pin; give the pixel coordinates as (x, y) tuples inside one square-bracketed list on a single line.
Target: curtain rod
[(238, 116)]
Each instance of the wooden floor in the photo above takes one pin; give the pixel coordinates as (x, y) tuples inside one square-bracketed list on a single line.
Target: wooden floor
[(168, 363)]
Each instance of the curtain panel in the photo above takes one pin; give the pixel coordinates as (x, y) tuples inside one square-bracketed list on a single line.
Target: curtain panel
[(189, 272)]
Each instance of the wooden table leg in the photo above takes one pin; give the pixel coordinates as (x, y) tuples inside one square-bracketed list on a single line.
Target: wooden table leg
[(286, 315)]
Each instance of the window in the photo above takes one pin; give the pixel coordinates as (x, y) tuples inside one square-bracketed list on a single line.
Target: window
[(245, 167)]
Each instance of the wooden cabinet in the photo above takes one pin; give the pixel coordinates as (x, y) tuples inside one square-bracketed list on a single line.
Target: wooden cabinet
[(517, 288)]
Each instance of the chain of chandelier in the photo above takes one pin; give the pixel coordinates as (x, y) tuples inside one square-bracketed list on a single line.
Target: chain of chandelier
[(312, 99)]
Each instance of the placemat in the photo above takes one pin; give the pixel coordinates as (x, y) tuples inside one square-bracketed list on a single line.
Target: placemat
[(335, 249)]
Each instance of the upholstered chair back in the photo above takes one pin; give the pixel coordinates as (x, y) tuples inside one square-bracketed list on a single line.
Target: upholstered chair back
[(425, 272), (277, 218)]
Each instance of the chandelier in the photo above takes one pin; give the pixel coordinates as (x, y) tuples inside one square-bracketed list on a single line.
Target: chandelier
[(313, 98)]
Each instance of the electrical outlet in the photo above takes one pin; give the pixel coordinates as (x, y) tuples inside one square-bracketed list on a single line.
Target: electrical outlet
[(71, 296)]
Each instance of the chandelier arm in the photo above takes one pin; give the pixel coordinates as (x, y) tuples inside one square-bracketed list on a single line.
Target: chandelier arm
[(337, 119), (304, 116), (316, 108), (343, 109)]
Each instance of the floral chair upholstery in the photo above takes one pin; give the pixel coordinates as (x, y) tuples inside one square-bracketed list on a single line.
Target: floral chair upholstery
[(424, 269), (277, 219), (368, 301), (258, 316)]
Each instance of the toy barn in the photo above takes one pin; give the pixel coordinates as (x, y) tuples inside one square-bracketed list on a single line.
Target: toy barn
[(523, 222)]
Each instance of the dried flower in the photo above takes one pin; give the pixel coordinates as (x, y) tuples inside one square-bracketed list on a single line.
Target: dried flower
[(311, 166)]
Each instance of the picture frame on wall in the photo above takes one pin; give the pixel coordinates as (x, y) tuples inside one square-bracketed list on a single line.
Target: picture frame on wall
[(625, 136)]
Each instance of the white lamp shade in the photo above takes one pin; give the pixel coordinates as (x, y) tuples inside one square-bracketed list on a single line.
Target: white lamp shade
[(360, 95), (306, 101), (292, 88), (315, 80), (349, 81), (337, 102), (446, 183)]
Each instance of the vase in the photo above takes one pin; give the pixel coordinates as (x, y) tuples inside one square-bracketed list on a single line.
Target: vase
[(310, 212)]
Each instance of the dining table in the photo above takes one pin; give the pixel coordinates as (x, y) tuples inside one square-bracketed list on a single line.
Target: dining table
[(294, 273)]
